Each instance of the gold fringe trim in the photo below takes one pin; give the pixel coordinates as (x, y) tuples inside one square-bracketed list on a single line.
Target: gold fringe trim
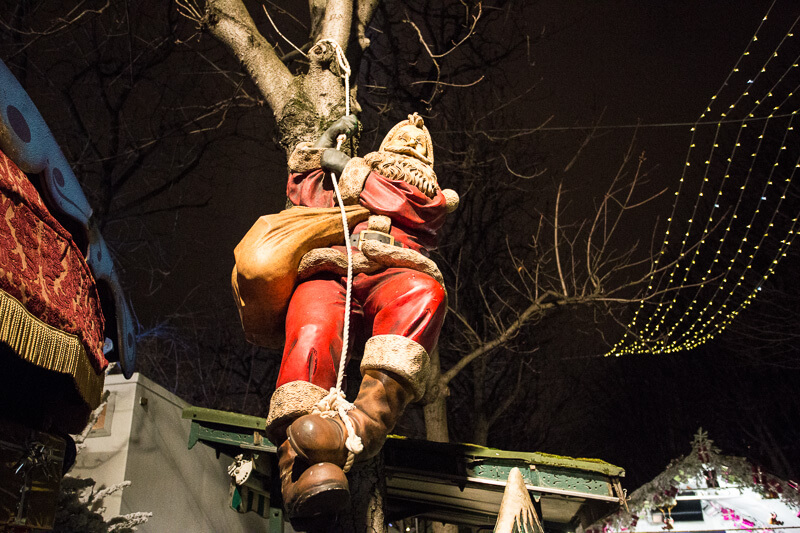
[(48, 347)]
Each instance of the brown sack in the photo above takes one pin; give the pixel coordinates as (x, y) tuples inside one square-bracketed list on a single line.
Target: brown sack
[(267, 259)]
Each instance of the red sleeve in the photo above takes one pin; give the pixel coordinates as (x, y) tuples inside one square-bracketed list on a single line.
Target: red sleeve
[(310, 189), (415, 217)]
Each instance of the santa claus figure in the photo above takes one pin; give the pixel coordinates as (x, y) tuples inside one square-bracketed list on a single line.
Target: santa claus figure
[(398, 304)]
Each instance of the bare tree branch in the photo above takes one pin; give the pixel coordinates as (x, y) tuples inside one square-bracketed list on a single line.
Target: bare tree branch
[(336, 22), (364, 11), (434, 57), (556, 245), (229, 21), (275, 27)]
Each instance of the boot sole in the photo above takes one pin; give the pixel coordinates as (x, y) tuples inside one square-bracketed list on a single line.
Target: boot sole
[(326, 499)]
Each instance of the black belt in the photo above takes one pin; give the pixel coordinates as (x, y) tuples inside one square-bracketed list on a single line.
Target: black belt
[(357, 239)]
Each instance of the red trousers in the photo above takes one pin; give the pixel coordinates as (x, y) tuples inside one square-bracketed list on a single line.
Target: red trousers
[(395, 301)]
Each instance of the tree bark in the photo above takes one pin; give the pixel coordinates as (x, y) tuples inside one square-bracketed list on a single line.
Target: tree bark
[(336, 21), (303, 105), (435, 412), (480, 430), (367, 499), (231, 23)]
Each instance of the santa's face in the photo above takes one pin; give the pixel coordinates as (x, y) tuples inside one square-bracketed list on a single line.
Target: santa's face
[(409, 140)]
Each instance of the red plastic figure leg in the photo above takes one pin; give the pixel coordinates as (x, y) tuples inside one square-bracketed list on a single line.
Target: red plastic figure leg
[(405, 309), (403, 302), (314, 323)]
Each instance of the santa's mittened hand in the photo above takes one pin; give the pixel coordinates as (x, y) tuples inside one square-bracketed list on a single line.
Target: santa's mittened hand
[(334, 161), (347, 125)]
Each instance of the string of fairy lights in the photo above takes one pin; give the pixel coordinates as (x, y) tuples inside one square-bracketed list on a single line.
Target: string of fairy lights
[(732, 217), (720, 288)]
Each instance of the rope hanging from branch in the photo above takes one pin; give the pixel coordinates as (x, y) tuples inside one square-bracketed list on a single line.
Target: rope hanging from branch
[(335, 402)]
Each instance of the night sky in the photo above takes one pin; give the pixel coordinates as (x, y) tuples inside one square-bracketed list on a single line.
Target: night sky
[(660, 63), (632, 61)]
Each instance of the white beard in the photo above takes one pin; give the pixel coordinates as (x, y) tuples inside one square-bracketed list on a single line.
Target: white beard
[(404, 168)]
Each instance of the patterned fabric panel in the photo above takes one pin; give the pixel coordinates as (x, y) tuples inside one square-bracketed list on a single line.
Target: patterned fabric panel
[(42, 267)]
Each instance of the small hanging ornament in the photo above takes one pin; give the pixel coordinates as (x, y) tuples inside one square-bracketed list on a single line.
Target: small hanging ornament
[(240, 469), (773, 519)]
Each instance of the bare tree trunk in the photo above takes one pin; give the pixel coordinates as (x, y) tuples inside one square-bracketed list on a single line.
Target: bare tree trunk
[(435, 412), (368, 497), (436, 429), (480, 425), (480, 431), (368, 485)]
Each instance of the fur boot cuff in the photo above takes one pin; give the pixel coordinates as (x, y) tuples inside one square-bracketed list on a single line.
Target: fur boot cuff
[(398, 354), (289, 402)]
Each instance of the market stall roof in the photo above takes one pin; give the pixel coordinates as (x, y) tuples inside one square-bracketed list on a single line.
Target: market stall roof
[(456, 483), (707, 491)]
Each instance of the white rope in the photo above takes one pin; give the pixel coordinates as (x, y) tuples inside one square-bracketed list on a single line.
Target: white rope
[(341, 59), (335, 402)]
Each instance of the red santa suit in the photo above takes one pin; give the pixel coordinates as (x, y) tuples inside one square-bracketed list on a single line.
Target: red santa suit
[(391, 300), (398, 304)]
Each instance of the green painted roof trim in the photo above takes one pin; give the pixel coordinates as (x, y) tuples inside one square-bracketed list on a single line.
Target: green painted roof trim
[(537, 458), (214, 416)]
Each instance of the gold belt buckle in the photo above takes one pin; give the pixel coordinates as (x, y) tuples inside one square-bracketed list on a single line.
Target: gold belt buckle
[(382, 237)]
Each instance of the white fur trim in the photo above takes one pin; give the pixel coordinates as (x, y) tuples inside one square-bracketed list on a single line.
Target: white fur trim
[(330, 260), (380, 223), (352, 180), (392, 256), (401, 355), (305, 157), (289, 402), (451, 197)]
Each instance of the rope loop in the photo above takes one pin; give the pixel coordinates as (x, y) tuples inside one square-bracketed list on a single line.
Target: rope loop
[(344, 67), (335, 404)]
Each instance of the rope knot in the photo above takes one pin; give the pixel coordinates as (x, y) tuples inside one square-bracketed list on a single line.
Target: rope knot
[(342, 63), (331, 404), (334, 404)]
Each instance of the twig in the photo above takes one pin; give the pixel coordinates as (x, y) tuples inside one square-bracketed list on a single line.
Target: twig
[(187, 9), (434, 57), (446, 84), (555, 244), (279, 33), (288, 14), (467, 36), (523, 176)]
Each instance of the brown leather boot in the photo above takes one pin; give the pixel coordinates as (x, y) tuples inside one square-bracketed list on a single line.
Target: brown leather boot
[(381, 401), (394, 370), (310, 492)]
